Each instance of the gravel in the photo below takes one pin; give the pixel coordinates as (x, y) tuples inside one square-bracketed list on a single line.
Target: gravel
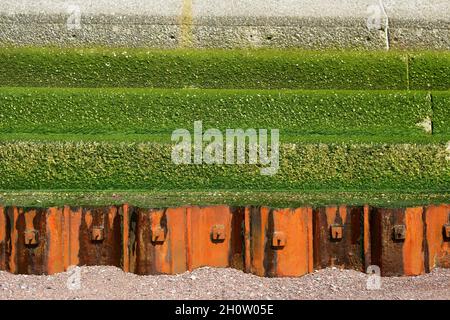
[(103, 282)]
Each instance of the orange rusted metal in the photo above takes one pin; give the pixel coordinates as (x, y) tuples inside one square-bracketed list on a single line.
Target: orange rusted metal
[(155, 253), (367, 237), (260, 240), (71, 236), (35, 244), (339, 238), (47, 241), (397, 241), (126, 238), (278, 242), (437, 220), (174, 240), (215, 237), (5, 240), (99, 236)]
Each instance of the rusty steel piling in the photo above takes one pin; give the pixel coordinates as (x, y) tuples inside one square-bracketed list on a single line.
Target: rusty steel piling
[(265, 241)]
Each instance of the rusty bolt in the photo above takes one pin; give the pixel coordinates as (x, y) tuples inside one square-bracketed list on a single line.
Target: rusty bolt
[(97, 234), (336, 231), (447, 231), (218, 232), (158, 235), (31, 237), (278, 239), (400, 232)]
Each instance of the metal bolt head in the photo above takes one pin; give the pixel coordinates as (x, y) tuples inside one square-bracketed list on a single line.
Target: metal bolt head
[(336, 232), (158, 235), (400, 232), (278, 239), (218, 232), (31, 237), (97, 234)]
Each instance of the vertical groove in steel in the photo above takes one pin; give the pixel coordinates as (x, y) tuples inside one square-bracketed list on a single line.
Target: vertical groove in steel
[(367, 251), (3, 240), (125, 238), (247, 249)]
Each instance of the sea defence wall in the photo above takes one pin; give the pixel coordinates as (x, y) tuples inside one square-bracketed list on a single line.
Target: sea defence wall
[(261, 240)]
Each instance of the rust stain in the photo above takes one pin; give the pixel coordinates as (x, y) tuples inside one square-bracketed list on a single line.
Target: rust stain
[(189, 237), (176, 255), (29, 217), (204, 250), (367, 236), (236, 251), (75, 216), (13, 212), (2, 225), (160, 241), (88, 219), (4, 243), (345, 247), (293, 259), (310, 239), (291, 254), (55, 244), (260, 240), (105, 251), (31, 254), (125, 238), (247, 236), (257, 248), (438, 245), (159, 250), (66, 236), (387, 253), (413, 257)]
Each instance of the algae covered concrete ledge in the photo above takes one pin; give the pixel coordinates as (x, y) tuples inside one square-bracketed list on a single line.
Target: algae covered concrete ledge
[(273, 198), (362, 24)]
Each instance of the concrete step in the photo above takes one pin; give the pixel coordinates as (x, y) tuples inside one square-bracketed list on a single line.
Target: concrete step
[(317, 24)]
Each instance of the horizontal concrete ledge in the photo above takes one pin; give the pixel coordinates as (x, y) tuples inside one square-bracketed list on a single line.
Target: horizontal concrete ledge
[(365, 24)]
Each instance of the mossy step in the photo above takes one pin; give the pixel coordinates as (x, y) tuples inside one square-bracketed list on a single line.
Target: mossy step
[(251, 69), (121, 110), (335, 164), (272, 198)]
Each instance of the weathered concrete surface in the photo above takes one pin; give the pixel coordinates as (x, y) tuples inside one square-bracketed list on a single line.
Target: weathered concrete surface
[(287, 23), (135, 23), (419, 23), (312, 24)]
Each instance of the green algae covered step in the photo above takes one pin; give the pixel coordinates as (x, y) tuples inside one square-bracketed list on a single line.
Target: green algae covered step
[(429, 70), (171, 198), (250, 69), (124, 164), (120, 110), (441, 112)]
